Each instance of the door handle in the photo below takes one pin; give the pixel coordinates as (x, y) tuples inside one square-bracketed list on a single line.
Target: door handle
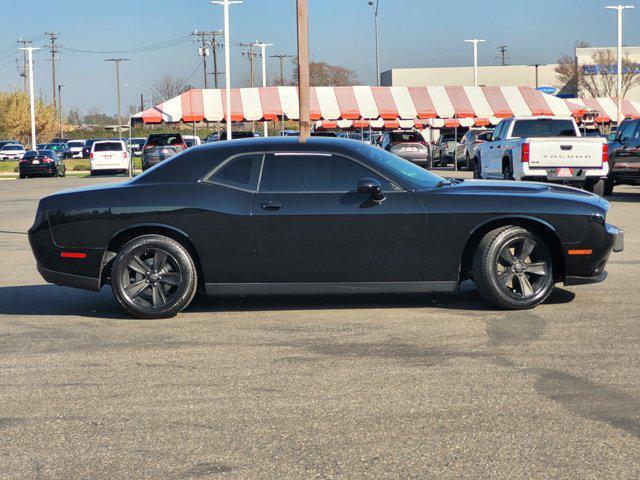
[(271, 205)]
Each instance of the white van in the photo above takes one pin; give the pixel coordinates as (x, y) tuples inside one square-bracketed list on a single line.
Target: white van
[(109, 155)]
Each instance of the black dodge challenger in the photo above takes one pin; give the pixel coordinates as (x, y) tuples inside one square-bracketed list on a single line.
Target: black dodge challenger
[(275, 216)]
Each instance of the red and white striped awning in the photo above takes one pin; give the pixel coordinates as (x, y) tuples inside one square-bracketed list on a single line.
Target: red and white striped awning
[(606, 109), (402, 106)]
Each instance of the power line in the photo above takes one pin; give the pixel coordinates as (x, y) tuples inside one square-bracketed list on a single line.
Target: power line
[(145, 48)]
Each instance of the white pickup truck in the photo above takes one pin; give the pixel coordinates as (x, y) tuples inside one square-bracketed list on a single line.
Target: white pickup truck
[(547, 149)]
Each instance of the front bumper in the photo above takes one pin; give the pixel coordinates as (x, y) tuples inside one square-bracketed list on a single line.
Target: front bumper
[(590, 269)]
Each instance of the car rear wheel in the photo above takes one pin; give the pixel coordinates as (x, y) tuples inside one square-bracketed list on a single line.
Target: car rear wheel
[(608, 186), (477, 169), (513, 269), (153, 276), (507, 171)]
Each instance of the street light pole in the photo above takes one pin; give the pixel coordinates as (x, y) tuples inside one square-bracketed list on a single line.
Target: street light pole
[(227, 58), (375, 14), (264, 46), (619, 9), (34, 141), (475, 42), (60, 107), (117, 61)]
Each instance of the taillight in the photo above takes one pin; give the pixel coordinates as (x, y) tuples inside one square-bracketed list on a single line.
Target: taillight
[(47, 160), (605, 153), (124, 154), (479, 141), (525, 152), (184, 146), (91, 155)]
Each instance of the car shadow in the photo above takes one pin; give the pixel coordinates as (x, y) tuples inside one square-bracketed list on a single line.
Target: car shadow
[(624, 197), (43, 300)]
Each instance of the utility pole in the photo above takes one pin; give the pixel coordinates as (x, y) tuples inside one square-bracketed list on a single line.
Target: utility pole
[(619, 9), (30, 50), (475, 42), (141, 102), (203, 51), (263, 54), (117, 61), (214, 49), (302, 7), (60, 108), (25, 64), (227, 59), (281, 57), (251, 56), (54, 50), (502, 48)]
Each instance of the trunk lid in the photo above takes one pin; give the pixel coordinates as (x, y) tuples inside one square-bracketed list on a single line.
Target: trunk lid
[(561, 152)]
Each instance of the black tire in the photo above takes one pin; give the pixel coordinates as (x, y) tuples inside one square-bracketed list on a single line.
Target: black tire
[(513, 269), (608, 186), (477, 169), (507, 171), (153, 276), (22, 176)]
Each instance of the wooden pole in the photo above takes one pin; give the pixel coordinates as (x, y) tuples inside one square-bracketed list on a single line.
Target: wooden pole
[(303, 69)]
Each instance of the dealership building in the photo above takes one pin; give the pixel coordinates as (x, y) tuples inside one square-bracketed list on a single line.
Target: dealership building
[(520, 75)]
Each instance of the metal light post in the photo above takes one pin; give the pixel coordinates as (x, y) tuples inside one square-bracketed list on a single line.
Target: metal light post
[(264, 46), (619, 9), (117, 61), (375, 6), (475, 42), (60, 110), (227, 58), (34, 141)]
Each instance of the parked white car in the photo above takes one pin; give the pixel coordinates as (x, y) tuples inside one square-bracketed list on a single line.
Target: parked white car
[(109, 155), (74, 148), (549, 149), (12, 151), (191, 140)]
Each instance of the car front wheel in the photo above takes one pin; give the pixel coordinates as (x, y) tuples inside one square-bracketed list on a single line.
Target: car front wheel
[(153, 276), (513, 269)]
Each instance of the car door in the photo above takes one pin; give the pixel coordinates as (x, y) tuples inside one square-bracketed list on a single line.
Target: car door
[(311, 224), (492, 166), (627, 151)]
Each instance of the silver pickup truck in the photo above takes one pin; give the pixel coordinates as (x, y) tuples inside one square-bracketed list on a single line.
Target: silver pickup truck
[(548, 149)]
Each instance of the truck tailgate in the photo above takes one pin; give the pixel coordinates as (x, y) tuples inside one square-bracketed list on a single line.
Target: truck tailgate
[(572, 152)]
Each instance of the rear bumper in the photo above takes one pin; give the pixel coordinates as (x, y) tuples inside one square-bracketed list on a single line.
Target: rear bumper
[(38, 170), (70, 280)]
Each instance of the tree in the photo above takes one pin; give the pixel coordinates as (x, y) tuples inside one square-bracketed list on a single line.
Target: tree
[(95, 116), (15, 117), (321, 74), (74, 117), (599, 77), (168, 87)]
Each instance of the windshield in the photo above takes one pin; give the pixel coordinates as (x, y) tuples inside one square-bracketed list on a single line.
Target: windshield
[(412, 174), (107, 147), (544, 127)]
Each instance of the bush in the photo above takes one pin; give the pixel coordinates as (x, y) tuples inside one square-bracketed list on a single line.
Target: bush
[(81, 167)]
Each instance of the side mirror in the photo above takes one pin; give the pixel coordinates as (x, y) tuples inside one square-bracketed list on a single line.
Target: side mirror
[(612, 137), (372, 187)]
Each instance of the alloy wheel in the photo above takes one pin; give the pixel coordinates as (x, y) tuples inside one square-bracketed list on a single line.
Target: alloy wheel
[(523, 267), (152, 278)]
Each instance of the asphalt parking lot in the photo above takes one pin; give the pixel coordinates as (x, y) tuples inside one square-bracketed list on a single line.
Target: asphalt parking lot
[(407, 386)]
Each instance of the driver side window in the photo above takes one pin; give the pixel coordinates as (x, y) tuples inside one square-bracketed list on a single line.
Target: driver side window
[(317, 172), (627, 132)]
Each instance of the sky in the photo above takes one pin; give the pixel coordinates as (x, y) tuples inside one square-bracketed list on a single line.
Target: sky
[(413, 33)]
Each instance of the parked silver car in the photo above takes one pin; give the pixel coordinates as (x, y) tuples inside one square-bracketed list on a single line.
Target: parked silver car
[(465, 155), (409, 145)]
